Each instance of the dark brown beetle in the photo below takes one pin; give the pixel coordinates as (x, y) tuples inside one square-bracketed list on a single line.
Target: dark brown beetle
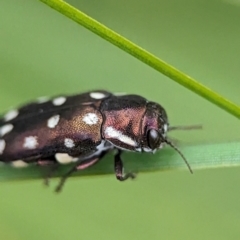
[(82, 129)]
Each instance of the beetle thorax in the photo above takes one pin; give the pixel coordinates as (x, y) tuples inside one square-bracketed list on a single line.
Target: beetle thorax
[(128, 121), (123, 128)]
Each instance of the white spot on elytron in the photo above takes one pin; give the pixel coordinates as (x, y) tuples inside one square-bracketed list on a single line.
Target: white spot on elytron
[(19, 164), (30, 142), (59, 101), (69, 143), (5, 129), (64, 158), (11, 115), (42, 99), (2, 146), (53, 121), (97, 95), (90, 118), (113, 133)]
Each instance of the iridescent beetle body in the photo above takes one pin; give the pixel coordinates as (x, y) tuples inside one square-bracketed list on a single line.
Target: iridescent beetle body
[(82, 129)]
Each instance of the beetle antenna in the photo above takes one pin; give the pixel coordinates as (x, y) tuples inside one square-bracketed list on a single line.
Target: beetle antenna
[(191, 127), (180, 153)]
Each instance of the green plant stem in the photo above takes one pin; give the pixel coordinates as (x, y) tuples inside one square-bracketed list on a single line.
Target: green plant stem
[(143, 55)]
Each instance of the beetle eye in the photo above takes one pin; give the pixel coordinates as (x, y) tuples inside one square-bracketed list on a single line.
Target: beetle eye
[(153, 138)]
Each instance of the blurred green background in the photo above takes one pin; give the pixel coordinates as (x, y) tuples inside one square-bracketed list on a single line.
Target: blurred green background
[(44, 53)]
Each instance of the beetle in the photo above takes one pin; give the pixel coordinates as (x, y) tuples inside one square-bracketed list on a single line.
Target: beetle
[(81, 129)]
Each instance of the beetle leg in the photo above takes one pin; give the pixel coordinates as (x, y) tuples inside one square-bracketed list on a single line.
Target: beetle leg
[(119, 170), (79, 166), (51, 166), (52, 169)]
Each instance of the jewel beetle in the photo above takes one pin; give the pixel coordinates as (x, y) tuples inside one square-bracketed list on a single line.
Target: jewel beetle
[(81, 129)]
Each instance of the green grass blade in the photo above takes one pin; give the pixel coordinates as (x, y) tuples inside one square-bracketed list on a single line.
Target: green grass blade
[(199, 157), (143, 55)]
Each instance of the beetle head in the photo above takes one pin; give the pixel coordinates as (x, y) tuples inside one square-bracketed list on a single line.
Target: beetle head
[(154, 127), (154, 130)]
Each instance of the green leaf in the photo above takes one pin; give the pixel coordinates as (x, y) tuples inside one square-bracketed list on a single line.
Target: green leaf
[(199, 157)]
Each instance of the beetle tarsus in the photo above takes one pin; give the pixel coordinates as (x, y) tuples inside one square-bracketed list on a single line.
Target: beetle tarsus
[(119, 170), (126, 176)]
